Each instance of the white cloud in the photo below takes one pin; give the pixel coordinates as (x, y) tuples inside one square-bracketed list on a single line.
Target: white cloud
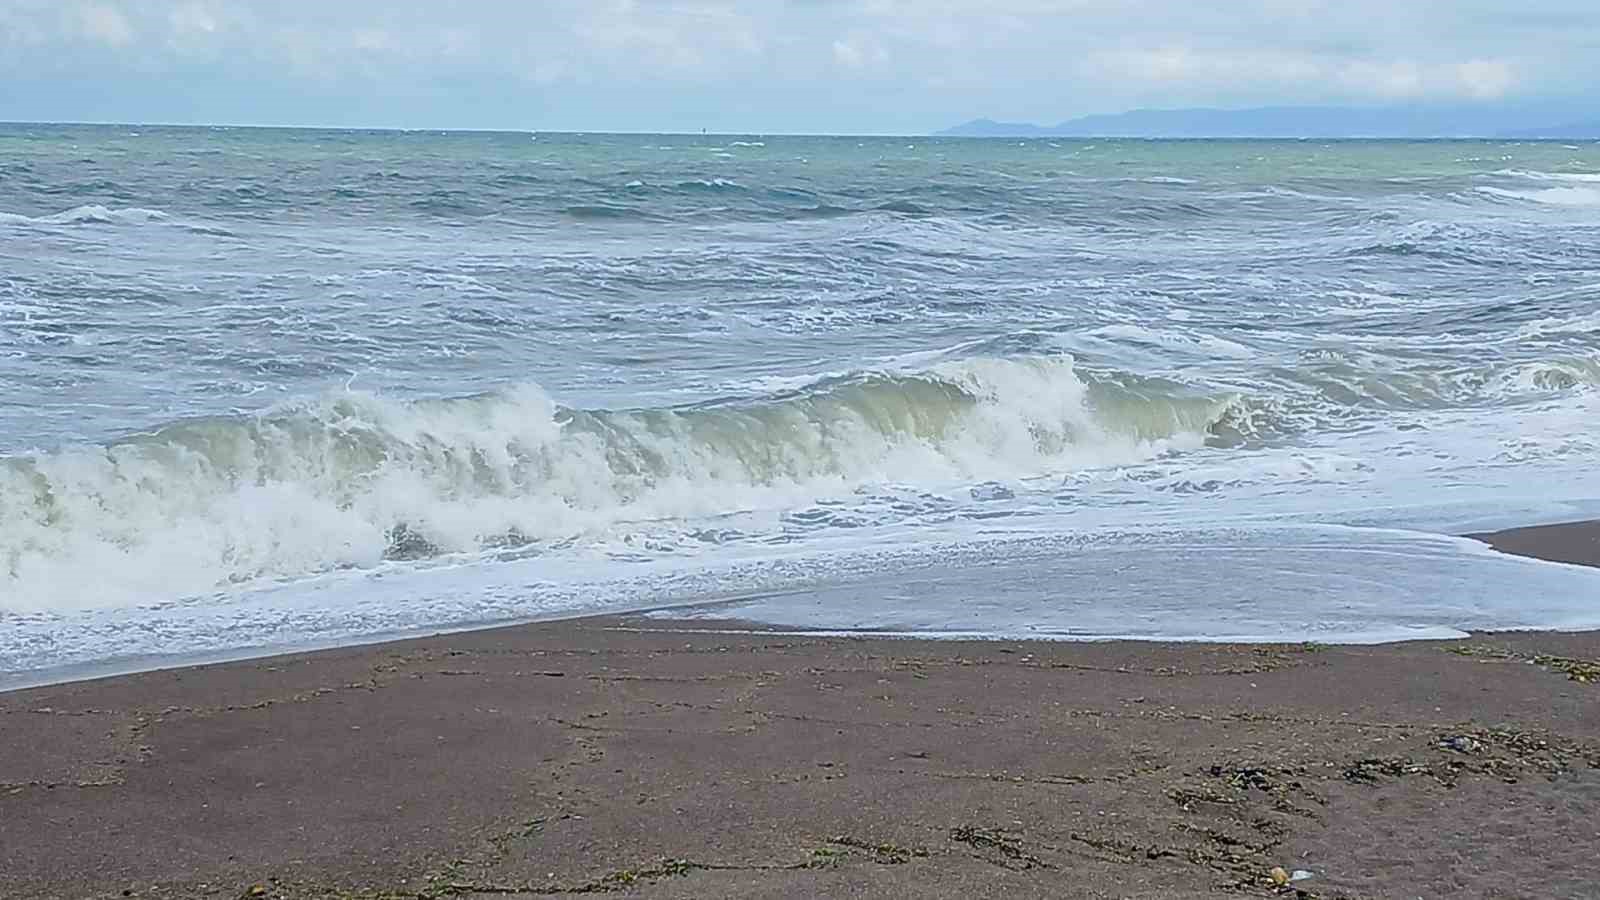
[(104, 23), (1487, 79), (372, 39), (634, 38), (859, 53), (1478, 79), (20, 30), (1383, 79), (1043, 60), (193, 18), (1187, 66), (1389, 79)]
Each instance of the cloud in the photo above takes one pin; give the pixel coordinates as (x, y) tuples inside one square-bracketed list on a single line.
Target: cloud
[(193, 18), (859, 53), (1380, 79), (1388, 79), (873, 64), (1487, 79), (1187, 66), (103, 23)]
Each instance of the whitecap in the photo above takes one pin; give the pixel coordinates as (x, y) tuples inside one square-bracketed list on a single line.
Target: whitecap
[(1561, 196), (1587, 177), (347, 479), (91, 214)]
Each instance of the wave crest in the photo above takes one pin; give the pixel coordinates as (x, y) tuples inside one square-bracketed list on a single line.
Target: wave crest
[(1555, 196), (92, 214), (352, 479)]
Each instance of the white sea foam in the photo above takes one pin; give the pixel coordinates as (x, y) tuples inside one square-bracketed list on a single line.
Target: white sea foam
[(1207, 344), (92, 214), (1558, 196), (1581, 177), (353, 478), (1585, 323), (1262, 583), (1266, 582)]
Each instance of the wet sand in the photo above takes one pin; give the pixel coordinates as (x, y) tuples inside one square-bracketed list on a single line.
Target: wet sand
[(668, 760), (1573, 542)]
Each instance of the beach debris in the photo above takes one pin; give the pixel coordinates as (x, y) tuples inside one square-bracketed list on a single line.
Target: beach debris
[(1279, 876), (1503, 753), (1301, 875), (883, 854), (256, 890), (1373, 769), (1285, 784), (1243, 777), (998, 847), (1583, 671)]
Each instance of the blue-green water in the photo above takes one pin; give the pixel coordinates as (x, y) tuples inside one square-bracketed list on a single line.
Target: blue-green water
[(271, 387)]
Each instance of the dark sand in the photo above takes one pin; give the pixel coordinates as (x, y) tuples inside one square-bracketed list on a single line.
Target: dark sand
[(634, 756), (1574, 542)]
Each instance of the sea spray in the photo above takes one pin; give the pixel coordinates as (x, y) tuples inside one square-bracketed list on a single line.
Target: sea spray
[(354, 478)]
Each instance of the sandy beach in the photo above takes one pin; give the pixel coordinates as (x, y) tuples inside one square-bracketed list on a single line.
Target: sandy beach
[(660, 759)]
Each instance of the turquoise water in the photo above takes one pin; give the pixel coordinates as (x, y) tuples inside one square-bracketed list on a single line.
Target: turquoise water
[(264, 388)]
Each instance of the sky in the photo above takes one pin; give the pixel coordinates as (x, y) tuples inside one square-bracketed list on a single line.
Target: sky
[(767, 66)]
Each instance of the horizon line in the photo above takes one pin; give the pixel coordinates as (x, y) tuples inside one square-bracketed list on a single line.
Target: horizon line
[(942, 135), (403, 129)]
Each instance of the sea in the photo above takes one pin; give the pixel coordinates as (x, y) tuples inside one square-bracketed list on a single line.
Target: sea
[(272, 389)]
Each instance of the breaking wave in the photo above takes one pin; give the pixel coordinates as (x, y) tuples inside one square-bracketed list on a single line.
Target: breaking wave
[(1581, 177), (353, 479), (1554, 188), (1555, 196), (92, 214)]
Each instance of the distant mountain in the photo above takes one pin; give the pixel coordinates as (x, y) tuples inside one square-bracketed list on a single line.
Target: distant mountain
[(991, 128), (1415, 121)]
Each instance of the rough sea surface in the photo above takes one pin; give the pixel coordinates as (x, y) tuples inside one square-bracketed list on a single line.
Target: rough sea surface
[(273, 388)]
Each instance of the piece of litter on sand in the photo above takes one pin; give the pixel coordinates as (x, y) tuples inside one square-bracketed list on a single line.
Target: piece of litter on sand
[(1301, 875)]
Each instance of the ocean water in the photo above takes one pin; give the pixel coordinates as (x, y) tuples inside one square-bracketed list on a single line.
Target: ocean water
[(276, 388)]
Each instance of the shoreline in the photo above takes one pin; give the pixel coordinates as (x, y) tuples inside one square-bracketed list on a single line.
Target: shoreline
[(1568, 543), (667, 759), (1572, 543)]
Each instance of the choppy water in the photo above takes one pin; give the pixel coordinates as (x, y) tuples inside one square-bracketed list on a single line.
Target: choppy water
[(267, 388)]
